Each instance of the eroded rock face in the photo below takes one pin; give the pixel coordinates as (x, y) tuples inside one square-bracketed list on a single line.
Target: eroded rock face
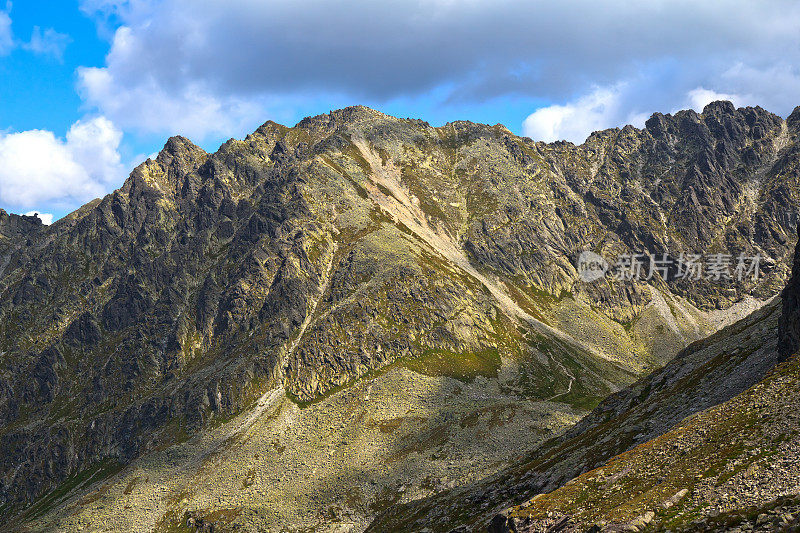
[(308, 257)]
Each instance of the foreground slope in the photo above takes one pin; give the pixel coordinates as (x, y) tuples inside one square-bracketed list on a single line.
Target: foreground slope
[(722, 468), (331, 466), (707, 373), (302, 261), (402, 436)]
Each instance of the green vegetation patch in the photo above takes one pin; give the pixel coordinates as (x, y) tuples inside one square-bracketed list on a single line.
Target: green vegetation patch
[(461, 366)]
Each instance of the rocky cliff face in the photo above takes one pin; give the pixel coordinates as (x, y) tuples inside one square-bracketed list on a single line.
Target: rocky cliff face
[(310, 257), (16, 231), (789, 326)]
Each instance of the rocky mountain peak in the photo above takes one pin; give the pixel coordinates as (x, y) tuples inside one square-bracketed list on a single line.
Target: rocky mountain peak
[(271, 131), (181, 149), (719, 107), (176, 160), (12, 224), (357, 113), (17, 230), (348, 117)]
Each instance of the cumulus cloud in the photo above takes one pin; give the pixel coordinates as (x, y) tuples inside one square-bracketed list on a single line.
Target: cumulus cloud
[(189, 108), (37, 168), (50, 42), (700, 97), (576, 120), (774, 86)]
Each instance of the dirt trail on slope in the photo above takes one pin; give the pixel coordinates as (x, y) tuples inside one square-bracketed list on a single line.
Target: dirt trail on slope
[(270, 397)]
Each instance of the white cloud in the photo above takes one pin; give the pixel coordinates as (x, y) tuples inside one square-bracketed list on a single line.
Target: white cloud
[(148, 102), (574, 121), (774, 86), (700, 97), (610, 107), (37, 168), (50, 42), (600, 109), (191, 110), (46, 218)]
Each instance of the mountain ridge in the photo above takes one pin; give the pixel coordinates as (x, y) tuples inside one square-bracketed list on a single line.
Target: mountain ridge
[(313, 257)]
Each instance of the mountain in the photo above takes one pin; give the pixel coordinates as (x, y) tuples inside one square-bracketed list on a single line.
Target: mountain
[(319, 322)]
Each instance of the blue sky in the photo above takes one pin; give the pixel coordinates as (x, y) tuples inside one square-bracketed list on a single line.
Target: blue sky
[(92, 87)]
